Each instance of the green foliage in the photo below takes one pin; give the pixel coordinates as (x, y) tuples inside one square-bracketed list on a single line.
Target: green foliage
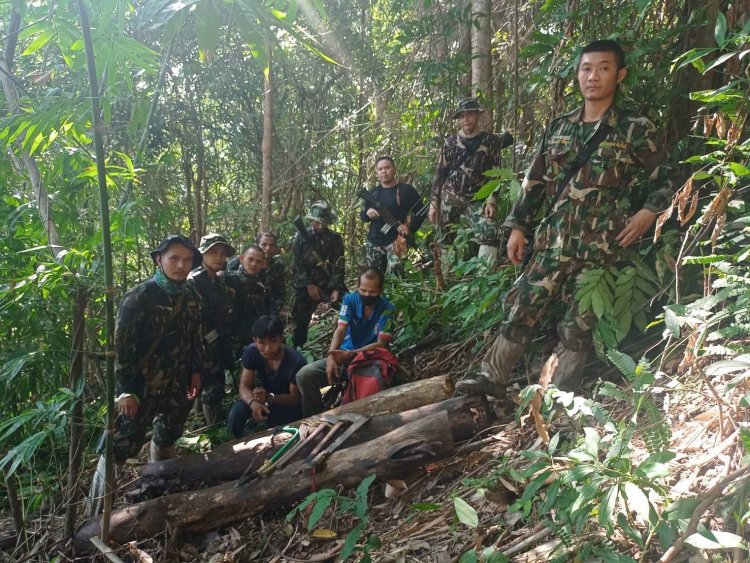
[(321, 500)]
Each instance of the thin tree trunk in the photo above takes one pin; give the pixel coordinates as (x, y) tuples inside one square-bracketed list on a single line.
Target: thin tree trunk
[(11, 488), (267, 144), (481, 60), (11, 96)]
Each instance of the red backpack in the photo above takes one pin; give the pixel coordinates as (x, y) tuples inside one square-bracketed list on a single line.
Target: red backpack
[(368, 373)]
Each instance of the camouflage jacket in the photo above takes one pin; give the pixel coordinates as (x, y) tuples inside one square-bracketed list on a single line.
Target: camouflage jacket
[(595, 205), (149, 318), (460, 177), (273, 278), (215, 309), (328, 275), (247, 302)]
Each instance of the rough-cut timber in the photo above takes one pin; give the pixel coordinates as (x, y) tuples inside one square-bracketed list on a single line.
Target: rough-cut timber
[(231, 460), (413, 445)]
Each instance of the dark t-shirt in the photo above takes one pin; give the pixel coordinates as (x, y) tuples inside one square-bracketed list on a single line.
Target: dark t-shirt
[(402, 200), (277, 382)]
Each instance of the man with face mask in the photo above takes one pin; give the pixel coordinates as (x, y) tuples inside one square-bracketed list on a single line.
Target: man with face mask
[(159, 355), (215, 312), (365, 321)]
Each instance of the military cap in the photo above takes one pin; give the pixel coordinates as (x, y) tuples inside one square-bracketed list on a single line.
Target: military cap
[(467, 104), (177, 239), (210, 240), (322, 212)]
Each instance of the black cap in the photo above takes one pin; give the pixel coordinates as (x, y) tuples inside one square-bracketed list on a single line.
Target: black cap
[(177, 239)]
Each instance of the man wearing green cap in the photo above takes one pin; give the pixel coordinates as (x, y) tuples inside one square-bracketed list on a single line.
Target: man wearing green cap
[(318, 268), (159, 353), (464, 159), (215, 313)]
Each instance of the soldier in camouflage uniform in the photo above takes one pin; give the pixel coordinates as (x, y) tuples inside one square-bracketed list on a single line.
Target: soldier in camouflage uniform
[(273, 276), (318, 268), (247, 297), (159, 355), (215, 313), (385, 249), (464, 159), (588, 227)]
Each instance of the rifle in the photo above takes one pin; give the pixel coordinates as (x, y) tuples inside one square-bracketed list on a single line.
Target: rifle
[(389, 220), (302, 230)]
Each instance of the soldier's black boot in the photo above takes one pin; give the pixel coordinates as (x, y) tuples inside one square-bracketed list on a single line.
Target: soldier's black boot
[(570, 364)]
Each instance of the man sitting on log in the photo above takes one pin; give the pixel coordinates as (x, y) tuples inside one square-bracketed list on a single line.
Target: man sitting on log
[(277, 400), (159, 354), (365, 322)]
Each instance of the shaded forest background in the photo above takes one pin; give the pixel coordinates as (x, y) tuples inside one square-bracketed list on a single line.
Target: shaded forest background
[(234, 116)]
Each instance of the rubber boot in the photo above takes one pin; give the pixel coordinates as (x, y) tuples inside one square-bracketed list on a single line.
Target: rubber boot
[(570, 364), (213, 413), (93, 504), (495, 372), (489, 254), (155, 453)]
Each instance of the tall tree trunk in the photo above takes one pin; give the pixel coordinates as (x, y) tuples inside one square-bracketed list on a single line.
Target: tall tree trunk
[(464, 42), (481, 59), (11, 96), (267, 145), (200, 181)]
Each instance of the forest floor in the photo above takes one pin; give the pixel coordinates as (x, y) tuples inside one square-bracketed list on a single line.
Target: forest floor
[(415, 518)]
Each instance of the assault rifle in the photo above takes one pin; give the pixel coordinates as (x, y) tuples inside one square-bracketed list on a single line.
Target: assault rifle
[(302, 230), (389, 221)]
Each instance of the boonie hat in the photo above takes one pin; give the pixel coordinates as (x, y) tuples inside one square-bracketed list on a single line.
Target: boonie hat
[(177, 239), (467, 104), (208, 241), (321, 211)]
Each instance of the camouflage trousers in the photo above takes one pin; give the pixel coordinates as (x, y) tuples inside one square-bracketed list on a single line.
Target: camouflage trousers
[(486, 231), (212, 386), (384, 259), (165, 412), (549, 277)]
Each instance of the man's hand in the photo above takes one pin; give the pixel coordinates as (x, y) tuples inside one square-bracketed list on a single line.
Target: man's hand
[(340, 356), (335, 294), (490, 209), (515, 246), (332, 370), (314, 292), (195, 386), (260, 394), (636, 227), (127, 405), (259, 410), (432, 213), (372, 213)]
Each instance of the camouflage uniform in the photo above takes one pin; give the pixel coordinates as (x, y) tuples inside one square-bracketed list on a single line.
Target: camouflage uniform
[(328, 275), (579, 232), (455, 186), (217, 339), (160, 380), (247, 302), (404, 202), (273, 278)]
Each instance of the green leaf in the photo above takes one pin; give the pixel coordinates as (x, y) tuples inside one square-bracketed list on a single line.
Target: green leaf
[(426, 506), (591, 442), (739, 169), (324, 500), (486, 191), (637, 500), (681, 509), (715, 539), (469, 557), (465, 513), (207, 24), (607, 507), (41, 40), (655, 465), (720, 29), (350, 543), (672, 321), (721, 60)]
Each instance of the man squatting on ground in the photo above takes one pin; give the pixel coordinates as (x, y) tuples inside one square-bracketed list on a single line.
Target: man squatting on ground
[(159, 353), (318, 268), (385, 249), (365, 322), (215, 309), (273, 276), (464, 159), (589, 227), (277, 400)]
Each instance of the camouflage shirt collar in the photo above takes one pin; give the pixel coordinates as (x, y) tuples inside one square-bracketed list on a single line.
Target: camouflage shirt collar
[(611, 116)]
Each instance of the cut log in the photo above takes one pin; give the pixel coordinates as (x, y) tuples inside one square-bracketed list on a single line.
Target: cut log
[(233, 459), (411, 446)]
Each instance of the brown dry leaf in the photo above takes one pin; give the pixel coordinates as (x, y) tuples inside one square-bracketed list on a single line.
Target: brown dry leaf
[(686, 198), (323, 534), (510, 486), (536, 403), (720, 222), (718, 206), (733, 135), (721, 125), (663, 218)]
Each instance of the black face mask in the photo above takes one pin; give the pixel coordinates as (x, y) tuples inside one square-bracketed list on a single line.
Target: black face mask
[(369, 300)]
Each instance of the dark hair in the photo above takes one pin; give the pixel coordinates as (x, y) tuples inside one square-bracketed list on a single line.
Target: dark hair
[(268, 326), (265, 234), (254, 247), (606, 46), (385, 157), (371, 273)]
